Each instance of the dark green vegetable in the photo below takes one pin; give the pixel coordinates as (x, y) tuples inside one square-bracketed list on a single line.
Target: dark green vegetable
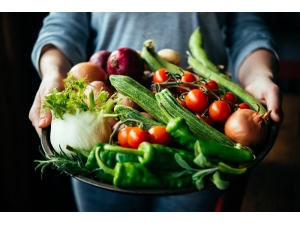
[(155, 61), (109, 158), (179, 129), (198, 52), (155, 156), (138, 94), (125, 113), (137, 175)]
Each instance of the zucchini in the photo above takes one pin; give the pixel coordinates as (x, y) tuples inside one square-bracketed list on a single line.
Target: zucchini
[(227, 84), (169, 104), (148, 58), (139, 94), (125, 112)]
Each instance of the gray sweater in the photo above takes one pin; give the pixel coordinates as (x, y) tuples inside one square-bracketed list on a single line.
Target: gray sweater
[(79, 35)]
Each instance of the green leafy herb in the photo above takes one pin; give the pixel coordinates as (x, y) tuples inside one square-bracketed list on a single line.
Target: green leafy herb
[(73, 98)]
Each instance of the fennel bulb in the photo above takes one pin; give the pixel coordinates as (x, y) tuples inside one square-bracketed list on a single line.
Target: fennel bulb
[(79, 119), (81, 130)]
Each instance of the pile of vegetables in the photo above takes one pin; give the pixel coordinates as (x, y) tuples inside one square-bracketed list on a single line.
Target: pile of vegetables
[(164, 128)]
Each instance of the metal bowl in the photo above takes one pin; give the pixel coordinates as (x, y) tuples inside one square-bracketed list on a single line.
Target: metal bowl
[(47, 147)]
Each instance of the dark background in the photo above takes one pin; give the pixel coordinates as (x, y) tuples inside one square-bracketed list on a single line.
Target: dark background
[(21, 186)]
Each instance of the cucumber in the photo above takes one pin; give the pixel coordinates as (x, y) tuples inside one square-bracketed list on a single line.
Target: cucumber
[(125, 112), (199, 127), (139, 94)]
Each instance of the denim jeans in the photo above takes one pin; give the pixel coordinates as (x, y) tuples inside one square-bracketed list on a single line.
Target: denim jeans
[(93, 199)]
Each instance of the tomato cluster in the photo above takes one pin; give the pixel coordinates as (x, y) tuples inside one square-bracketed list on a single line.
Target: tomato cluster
[(131, 137), (203, 97)]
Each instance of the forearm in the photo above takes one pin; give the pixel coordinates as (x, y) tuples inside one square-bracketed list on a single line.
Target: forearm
[(54, 65)]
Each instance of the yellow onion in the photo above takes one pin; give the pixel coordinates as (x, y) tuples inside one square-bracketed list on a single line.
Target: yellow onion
[(247, 127), (90, 70), (170, 55)]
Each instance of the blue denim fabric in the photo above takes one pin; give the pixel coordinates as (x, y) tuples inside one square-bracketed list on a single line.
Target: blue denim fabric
[(92, 199)]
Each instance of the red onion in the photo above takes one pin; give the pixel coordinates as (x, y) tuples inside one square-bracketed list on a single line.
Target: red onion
[(100, 58), (126, 61)]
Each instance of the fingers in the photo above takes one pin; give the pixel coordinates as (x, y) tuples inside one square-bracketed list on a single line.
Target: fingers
[(34, 114), (37, 119), (274, 102)]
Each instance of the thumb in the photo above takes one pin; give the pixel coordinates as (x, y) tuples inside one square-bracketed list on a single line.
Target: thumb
[(45, 119)]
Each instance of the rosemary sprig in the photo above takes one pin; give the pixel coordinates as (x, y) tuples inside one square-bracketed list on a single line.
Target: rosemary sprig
[(73, 165)]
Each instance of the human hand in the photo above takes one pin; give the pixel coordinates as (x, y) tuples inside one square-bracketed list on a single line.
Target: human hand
[(268, 93), (256, 75), (43, 120)]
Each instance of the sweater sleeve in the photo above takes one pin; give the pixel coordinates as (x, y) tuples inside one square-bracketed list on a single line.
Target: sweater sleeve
[(245, 33), (69, 32)]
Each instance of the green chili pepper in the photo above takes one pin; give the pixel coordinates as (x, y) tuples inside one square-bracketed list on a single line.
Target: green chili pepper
[(109, 158), (91, 162), (155, 156), (179, 129), (136, 175)]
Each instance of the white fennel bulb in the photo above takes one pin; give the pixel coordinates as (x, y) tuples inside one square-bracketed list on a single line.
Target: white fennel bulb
[(81, 130), (79, 116)]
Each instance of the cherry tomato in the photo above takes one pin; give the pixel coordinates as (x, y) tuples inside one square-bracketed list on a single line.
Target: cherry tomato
[(211, 85), (136, 136), (219, 110), (196, 100), (244, 106), (160, 76), (123, 137), (181, 102), (187, 77), (230, 97), (159, 135), (206, 118)]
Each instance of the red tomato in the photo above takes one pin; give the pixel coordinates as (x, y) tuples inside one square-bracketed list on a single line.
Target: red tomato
[(188, 78), (159, 135), (181, 102), (196, 100), (123, 136), (211, 85), (244, 106), (206, 118), (160, 76), (136, 136), (230, 97), (219, 110)]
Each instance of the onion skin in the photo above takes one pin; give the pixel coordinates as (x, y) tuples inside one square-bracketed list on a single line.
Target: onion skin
[(126, 61), (100, 58), (170, 55), (90, 70), (247, 127)]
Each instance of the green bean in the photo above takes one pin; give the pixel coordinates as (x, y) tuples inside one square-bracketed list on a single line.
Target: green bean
[(196, 48), (198, 52)]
